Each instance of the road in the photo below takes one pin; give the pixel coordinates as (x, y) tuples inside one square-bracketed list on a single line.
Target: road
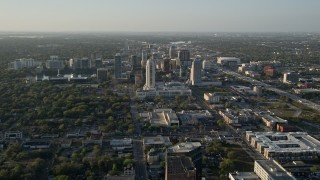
[(140, 163), (138, 152)]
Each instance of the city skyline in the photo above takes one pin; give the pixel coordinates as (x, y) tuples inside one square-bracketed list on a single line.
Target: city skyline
[(160, 16)]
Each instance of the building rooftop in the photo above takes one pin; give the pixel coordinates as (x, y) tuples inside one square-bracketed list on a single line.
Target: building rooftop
[(243, 175), (286, 142), (184, 147), (157, 140), (179, 164), (120, 142), (275, 170)]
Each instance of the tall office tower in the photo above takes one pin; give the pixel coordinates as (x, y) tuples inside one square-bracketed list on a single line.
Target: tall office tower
[(184, 62), (172, 52), (55, 63), (144, 58), (134, 62), (195, 75), (83, 63), (150, 75), (117, 65), (184, 58), (165, 65), (102, 74)]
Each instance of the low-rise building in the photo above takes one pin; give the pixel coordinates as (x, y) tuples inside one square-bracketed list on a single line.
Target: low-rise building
[(188, 149), (228, 61), (37, 144), (243, 176), (156, 142), (286, 128), (178, 168), (193, 116), (170, 89), (129, 170), (271, 120), (123, 145), (163, 117), (271, 170), (212, 97), (285, 146), (231, 116), (12, 135)]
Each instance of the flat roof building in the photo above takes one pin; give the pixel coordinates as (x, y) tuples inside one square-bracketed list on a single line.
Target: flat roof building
[(178, 168), (285, 146), (163, 117), (156, 141), (271, 170), (170, 89), (189, 149), (243, 176), (228, 61)]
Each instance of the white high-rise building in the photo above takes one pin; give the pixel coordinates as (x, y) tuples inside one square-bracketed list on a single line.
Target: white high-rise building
[(150, 75), (195, 75)]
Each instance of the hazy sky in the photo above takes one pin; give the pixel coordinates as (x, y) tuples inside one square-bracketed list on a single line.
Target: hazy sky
[(160, 15)]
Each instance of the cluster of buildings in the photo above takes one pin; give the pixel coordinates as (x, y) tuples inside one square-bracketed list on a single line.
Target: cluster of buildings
[(167, 117), (182, 160), (237, 117), (256, 68), (286, 156), (23, 63)]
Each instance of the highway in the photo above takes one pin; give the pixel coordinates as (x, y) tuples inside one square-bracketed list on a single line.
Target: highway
[(305, 102)]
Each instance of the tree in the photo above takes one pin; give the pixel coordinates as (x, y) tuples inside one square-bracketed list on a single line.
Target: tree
[(62, 177), (315, 168), (232, 155), (96, 150), (127, 162), (221, 123), (227, 165)]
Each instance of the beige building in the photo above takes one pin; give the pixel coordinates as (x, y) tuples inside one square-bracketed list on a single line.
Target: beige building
[(285, 146), (212, 97), (271, 170)]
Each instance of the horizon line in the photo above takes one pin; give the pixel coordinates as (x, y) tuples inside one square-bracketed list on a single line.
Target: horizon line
[(101, 32)]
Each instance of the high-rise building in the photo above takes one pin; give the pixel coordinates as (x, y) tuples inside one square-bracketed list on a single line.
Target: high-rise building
[(134, 62), (290, 77), (172, 52), (195, 75), (55, 63), (165, 65), (102, 74), (144, 58), (184, 62), (23, 63), (184, 58), (117, 65), (82, 63), (98, 63), (150, 75)]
